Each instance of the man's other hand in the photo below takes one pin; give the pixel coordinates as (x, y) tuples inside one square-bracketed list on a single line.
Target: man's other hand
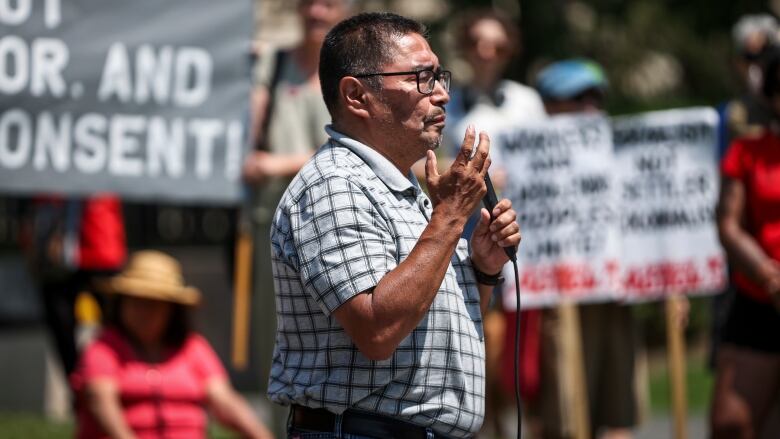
[(490, 238)]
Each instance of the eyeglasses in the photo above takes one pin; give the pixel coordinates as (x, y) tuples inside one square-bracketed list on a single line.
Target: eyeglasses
[(426, 79)]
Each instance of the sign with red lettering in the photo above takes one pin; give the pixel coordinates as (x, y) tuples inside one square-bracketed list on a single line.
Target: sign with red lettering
[(668, 183), (561, 180), (619, 210)]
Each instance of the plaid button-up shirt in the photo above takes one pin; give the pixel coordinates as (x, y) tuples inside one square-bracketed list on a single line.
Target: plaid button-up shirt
[(347, 219)]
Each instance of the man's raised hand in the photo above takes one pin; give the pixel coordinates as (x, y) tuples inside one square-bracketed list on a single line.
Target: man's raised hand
[(460, 189)]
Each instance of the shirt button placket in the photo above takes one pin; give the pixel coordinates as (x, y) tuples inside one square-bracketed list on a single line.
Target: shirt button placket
[(425, 205)]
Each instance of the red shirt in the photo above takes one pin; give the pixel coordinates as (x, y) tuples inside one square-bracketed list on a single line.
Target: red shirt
[(163, 399), (102, 234), (756, 163)]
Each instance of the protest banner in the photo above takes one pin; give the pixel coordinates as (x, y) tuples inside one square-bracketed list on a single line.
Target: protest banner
[(143, 98), (668, 176), (560, 178)]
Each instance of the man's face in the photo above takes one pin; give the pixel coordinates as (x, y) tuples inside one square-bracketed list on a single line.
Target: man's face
[(319, 16), (413, 120)]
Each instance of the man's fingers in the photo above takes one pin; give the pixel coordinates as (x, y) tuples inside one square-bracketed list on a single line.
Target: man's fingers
[(502, 207), (509, 236), (431, 171), (483, 223), (467, 147), (485, 167), (504, 228), (483, 150), (504, 220)]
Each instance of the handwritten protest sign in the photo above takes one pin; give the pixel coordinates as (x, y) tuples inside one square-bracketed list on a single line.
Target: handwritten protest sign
[(561, 180), (667, 167), (144, 98), (620, 210)]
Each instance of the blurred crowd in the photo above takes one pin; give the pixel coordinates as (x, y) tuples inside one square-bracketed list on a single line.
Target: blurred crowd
[(149, 373)]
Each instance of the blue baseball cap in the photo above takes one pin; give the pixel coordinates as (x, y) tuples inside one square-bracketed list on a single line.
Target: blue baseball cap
[(566, 79)]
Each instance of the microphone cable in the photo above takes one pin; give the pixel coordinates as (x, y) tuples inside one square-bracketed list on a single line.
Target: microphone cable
[(518, 401), (489, 201)]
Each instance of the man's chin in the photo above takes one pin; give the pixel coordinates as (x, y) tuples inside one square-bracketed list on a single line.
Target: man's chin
[(435, 143), (434, 133)]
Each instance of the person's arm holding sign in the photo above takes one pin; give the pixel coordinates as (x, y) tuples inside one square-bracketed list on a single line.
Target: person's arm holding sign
[(379, 319)]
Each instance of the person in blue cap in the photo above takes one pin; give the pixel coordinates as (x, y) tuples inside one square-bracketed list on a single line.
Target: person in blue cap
[(608, 330), (572, 86)]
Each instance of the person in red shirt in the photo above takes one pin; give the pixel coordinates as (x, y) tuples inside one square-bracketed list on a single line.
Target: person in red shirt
[(148, 375), (70, 242), (747, 383)]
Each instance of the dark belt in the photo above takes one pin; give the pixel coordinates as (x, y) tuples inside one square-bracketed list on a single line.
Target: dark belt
[(357, 423)]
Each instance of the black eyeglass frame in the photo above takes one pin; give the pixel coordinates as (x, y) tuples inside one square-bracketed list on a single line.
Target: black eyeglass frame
[(436, 78)]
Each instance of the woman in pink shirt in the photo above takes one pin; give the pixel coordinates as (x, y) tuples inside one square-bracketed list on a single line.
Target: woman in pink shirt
[(148, 375)]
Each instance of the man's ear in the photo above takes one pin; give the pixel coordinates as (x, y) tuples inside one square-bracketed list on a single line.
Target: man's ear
[(355, 96)]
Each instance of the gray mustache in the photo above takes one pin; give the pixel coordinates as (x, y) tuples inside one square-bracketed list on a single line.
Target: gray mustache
[(434, 116)]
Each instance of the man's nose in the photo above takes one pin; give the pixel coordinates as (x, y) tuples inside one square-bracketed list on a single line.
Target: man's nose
[(440, 95)]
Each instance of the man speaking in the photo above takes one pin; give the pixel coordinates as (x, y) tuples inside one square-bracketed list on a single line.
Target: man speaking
[(379, 301)]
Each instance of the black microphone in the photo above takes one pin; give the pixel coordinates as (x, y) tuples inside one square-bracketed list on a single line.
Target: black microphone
[(490, 200)]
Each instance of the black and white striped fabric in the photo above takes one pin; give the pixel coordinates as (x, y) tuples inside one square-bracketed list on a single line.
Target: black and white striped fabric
[(346, 220)]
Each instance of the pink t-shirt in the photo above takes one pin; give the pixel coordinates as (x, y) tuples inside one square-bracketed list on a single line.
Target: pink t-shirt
[(158, 399)]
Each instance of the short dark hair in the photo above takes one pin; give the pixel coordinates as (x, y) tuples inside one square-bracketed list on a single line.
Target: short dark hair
[(360, 44)]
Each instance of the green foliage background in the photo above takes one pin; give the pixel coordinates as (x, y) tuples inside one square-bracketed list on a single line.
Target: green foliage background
[(619, 34)]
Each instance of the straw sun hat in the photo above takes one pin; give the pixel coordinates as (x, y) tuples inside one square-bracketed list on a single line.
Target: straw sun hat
[(154, 275)]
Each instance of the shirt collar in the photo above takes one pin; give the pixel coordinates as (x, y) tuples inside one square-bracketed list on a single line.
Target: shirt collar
[(382, 167)]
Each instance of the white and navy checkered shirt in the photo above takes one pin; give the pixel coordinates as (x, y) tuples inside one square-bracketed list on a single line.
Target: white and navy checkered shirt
[(348, 218)]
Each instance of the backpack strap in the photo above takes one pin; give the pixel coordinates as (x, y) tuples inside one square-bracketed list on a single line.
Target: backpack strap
[(279, 58)]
